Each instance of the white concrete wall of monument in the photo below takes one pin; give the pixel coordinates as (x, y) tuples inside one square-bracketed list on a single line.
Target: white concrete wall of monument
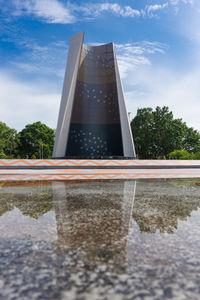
[(68, 95), (127, 139)]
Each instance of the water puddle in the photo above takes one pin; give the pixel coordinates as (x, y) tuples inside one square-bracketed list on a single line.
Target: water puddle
[(100, 239)]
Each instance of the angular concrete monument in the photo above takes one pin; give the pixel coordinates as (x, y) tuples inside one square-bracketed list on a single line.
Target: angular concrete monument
[(93, 121)]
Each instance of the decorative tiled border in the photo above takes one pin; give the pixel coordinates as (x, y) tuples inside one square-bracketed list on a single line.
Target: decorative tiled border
[(97, 174), (95, 162), (28, 169)]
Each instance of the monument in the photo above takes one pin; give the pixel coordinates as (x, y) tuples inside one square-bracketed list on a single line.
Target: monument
[(93, 121)]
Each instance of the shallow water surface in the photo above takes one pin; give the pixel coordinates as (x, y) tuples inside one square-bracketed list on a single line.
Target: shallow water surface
[(100, 239)]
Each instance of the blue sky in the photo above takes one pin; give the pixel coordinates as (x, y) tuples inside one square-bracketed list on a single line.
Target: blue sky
[(157, 44)]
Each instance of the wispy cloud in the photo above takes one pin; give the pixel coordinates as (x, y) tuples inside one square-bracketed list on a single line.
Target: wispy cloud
[(176, 4), (114, 8), (50, 59), (39, 59), (132, 55), (55, 11), (152, 9), (50, 11), (38, 69)]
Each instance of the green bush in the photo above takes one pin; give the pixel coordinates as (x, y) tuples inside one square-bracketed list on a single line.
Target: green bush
[(180, 154), (196, 155), (2, 155)]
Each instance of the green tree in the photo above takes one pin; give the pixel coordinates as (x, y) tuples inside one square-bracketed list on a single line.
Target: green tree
[(9, 140), (36, 140), (156, 133), (142, 130), (191, 140)]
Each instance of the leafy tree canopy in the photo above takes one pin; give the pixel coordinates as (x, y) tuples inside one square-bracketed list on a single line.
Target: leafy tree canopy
[(8, 140), (156, 133), (36, 141)]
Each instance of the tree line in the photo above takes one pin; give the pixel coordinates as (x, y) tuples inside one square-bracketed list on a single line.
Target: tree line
[(156, 133), (34, 141)]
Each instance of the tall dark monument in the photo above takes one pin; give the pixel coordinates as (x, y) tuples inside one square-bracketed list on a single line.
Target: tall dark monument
[(93, 121)]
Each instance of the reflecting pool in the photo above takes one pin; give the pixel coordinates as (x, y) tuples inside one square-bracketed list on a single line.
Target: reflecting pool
[(100, 239)]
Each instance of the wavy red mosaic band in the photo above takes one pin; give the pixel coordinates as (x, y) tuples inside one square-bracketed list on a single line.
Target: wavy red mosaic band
[(77, 162)]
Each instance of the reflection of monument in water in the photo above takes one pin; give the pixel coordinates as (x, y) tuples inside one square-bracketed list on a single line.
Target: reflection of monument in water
[(93, 121), (94, 216)]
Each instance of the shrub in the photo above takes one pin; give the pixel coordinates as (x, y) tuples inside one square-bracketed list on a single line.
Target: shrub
[(180, 154), (2, 155), (196, 155)]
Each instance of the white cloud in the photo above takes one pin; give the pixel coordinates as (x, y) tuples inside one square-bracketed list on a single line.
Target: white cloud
[(37, 68), (189, 26), (115, 8), (151, 86), (42, 60), (155, 7), (55, 11), (50, 11), (132, 55), (177, 2), (22, 103), (151, 9)]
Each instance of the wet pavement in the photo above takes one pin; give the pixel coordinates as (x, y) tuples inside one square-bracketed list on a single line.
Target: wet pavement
[(101, 239)]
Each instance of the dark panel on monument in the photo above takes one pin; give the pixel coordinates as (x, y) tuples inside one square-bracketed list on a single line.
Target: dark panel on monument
[(95, 129)]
